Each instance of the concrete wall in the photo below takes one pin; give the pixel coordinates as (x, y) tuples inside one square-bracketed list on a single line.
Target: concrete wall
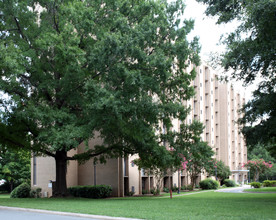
[(45, 171), (109, 173), (72, 170), (134, 176)]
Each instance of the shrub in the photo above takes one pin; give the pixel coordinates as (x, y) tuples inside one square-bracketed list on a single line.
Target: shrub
[(166, 190), (208, 184), (255, 184), (175, 189), (130, 193), (35, 193), (229, 183), (190, 188), (21, 191), (268, 183), (156, 192), (95, 192), (144, 191), (183, 187)]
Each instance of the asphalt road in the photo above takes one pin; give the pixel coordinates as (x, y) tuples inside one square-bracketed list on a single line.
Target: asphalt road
[(13, 213), (25, 215)]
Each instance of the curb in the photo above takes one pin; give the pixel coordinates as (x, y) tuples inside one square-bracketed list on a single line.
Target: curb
[(102, 217)]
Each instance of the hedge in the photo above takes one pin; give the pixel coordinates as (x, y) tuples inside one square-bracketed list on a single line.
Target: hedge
[(268, 183), (95, 192), (229, 183), (208, 184), (256, 184)]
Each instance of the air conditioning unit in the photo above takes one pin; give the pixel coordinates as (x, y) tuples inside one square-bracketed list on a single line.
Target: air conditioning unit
[(45, 194)]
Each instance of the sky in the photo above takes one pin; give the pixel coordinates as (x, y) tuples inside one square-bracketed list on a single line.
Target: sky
[(206, 28), (209, 34)]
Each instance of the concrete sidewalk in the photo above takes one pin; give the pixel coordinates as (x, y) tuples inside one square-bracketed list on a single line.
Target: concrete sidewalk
[(100, 217), (235, 189)]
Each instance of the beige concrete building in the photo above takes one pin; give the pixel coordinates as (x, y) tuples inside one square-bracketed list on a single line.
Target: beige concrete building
[(215, 104)]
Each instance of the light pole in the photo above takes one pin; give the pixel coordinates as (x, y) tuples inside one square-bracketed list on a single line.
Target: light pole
[(95, 175), (178, 182), (248, 175)]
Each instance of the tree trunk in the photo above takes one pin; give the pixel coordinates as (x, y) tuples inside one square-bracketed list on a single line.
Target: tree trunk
[(60, 186), (170, 185), (193, 180), (11, 185)]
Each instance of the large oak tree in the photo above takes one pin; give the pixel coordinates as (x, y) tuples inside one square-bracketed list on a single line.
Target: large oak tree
[(72, 69)]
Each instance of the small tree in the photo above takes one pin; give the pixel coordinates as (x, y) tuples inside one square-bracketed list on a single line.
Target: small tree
[(260, 151), (220, 170), (198, 160), (257, 167), (169, 162), (184, 150), (152, 169), (14, 166), (196, 155)]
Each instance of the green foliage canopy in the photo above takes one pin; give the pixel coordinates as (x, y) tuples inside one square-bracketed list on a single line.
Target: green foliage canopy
[(15, 166), (260, 151), (198, 154), (220, 170), (75, 70)]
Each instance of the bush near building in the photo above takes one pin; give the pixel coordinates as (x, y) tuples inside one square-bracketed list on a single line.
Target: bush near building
[(229, 183), (256, 184), (269, 183), (24, 190), (208, 184), (95, 192), (21, 191), (35, 192)]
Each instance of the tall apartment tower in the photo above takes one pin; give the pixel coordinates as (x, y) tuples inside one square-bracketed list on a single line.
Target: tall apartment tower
[(215, 104)]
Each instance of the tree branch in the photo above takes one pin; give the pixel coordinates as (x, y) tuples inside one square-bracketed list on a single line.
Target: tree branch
[(54, 18), (88, 154), (19, 28), (21, 32)]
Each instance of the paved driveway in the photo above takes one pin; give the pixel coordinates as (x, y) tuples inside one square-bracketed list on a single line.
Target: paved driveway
[(26, 215), (13, 213), (234, 190)]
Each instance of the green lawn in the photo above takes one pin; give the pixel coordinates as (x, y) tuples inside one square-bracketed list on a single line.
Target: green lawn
[(205, 205), (265, 189)]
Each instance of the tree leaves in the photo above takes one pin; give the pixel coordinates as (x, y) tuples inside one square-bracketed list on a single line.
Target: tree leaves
[(75, 69)]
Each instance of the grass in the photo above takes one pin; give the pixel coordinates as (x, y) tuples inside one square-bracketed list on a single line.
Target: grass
[(205, 205), (265, 189)]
